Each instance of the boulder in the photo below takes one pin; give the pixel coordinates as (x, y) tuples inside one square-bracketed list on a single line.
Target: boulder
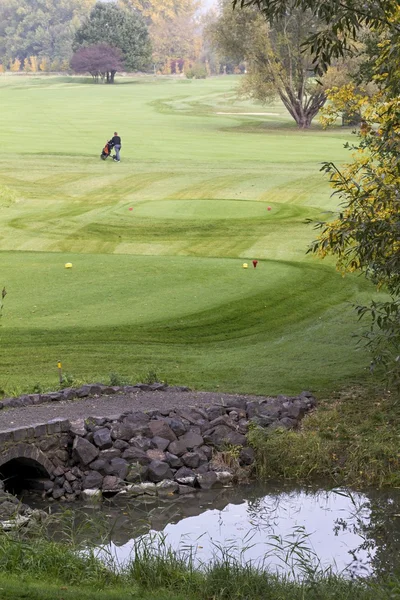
[(155, 454), (136, 417), (111, 483), (224, 477), (99, 465), (135, 455), (174, 461), (191, 459), (224, 420), (84, 451), (160, 428), (160, 443), (149, 488), (207, 480), (137, 473), (118, 467), (185, 489), (220, 435), (215, 411), (246, 456), (78, 428), (178, 448), (207, 451), (142, 443), (121, 445), (91, 494), (177, 425), (159, 470), (58, 492), (110, 453), (191, 440), (236, 403), (183, 473), (92, 480), (167, 487), (128, 429), (202, 469), (102, 438)]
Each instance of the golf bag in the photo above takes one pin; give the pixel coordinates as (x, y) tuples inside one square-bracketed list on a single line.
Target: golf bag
[(106, 152)]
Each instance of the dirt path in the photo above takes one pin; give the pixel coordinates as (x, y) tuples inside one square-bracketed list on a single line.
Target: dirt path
[(109, 406)]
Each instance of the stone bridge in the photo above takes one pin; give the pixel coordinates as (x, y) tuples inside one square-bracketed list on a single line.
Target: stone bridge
[(166, 450)]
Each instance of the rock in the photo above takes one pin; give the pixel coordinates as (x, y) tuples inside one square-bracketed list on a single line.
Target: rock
[(193, 416), (135, 490), (215, 411), (159, 470), (135, 455), (202, 469), (110, 453), (207, 451), (111, 483), (155, 454), (136, 417), (224, 420), (137, 473), (236, 403), (161, 429), (191, 459), (58, 492), (167, 487), (84, 451), (102, 438), (224, 477), (121, 445), (149, 488), (118, 467), (246, 456), (177, 426), (127, 430), (221, 435), (173, 460), (78, 428), (185, 489), (69, 476), (160, 443), (263, 420), (208, 480), (295, 411), (243, 426), (93, 480), (58, 472), (178, 448), (67, 487), (189, 481), (91, 494), (184, 472), (253, 409), (95, 423), (141, 443), (191, 440), (158, 387)]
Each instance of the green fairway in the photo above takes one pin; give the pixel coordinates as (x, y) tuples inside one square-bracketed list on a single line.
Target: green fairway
[(158, 241)]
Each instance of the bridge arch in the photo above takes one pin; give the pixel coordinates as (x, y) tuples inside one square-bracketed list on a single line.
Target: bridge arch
[(24, 467)]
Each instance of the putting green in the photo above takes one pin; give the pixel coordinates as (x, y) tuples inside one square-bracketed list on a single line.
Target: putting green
[(161, 287)]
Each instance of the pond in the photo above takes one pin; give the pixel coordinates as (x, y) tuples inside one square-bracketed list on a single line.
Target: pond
[(274, 526)]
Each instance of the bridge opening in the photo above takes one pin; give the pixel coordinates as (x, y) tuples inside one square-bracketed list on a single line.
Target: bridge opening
[(20, 474)]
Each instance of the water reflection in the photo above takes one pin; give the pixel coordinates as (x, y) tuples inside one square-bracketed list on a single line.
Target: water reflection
[(356, 533)]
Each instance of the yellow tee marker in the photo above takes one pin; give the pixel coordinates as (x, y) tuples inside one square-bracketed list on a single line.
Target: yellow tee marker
[(245, 265), (68, 265)]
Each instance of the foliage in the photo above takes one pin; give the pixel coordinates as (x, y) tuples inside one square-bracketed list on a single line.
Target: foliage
[(352, 438), (342, 22), (276, 61), (40, 27), (197, 71), (100, 60), (119, 28)]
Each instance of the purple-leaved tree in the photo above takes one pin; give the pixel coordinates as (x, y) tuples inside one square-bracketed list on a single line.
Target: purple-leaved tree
[(100, 60)]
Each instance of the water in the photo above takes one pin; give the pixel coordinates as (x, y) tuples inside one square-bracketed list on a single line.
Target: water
[(355, 533)]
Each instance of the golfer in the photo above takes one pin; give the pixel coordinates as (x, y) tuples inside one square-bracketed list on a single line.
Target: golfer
[(116, 142)]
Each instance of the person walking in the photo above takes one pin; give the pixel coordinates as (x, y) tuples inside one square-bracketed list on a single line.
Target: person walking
[(116, 142)]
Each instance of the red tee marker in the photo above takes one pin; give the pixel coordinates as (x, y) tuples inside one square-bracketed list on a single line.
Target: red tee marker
[(255, 262), (269, 208), (130, 208)]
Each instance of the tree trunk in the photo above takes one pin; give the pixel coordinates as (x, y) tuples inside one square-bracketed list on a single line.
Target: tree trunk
[(112, 76)]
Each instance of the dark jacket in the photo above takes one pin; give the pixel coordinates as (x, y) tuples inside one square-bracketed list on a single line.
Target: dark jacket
[(116, 140)]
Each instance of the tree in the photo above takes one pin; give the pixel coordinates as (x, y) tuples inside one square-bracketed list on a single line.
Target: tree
[(101, 61), (119, 28), (276, 61), (365, 236), (173, 29), (40, 27)]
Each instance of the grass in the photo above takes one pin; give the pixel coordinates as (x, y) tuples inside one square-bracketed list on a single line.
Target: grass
[(161, 286), (36, 568), (352, 438)]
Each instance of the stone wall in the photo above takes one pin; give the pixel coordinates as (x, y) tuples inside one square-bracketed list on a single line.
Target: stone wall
[(154, 452)]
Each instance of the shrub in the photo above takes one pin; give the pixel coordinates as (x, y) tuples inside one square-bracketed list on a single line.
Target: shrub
[(197, 71)]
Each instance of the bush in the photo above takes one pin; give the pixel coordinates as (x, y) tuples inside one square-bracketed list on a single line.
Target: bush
[(197, 71)]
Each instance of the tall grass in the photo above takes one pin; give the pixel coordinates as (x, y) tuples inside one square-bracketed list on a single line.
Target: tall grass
[(352, 438), (155, 571)]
